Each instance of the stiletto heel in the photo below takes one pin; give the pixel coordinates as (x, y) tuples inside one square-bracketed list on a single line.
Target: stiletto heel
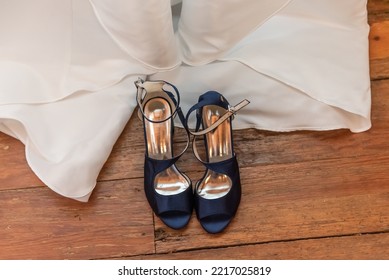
[(217, 194), (168, 190)]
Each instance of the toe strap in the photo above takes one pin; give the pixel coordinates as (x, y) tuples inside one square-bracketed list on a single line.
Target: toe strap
[(229, 167), (226, 205), (182, 202)]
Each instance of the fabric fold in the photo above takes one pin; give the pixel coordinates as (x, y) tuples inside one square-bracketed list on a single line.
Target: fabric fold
[(138, 27), (308, 65), (34, 50), (64, 98), (67, 142), (315, 51), (207, 29)]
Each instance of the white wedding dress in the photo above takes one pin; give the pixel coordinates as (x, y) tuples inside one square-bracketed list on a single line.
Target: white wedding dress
[(67, 70)]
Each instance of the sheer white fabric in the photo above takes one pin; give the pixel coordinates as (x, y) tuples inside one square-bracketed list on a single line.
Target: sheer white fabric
[(67, 70)]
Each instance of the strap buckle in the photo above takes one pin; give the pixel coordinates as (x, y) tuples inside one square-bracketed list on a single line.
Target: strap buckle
[(234, 109), (139, 83)]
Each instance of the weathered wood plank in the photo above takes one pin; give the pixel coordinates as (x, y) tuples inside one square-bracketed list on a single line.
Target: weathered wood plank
[(379, 40), (38, 224), (379, 49), (14, 170), (378, 6), (379, 69), (359, 247), (299, 200)]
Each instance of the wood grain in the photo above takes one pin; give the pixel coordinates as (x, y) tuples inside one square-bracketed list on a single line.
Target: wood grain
[(301, 200), (378, 6), (38, 224), (379, 40), (358, 247), (14, 170), (379, 45)]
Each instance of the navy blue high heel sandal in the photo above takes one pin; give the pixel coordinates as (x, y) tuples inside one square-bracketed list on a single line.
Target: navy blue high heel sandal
[(217, 194), (168, 190)]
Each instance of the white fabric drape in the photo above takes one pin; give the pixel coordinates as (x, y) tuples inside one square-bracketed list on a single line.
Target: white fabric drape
[(67, 70)]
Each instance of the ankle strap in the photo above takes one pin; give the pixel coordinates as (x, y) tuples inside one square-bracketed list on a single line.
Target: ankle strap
[(210, 98), (147, 90), (215, 99)]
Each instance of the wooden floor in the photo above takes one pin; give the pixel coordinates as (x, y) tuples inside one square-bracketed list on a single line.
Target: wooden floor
[(307, 195)]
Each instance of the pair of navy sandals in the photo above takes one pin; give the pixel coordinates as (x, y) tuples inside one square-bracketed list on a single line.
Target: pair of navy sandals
[(216, 196)]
